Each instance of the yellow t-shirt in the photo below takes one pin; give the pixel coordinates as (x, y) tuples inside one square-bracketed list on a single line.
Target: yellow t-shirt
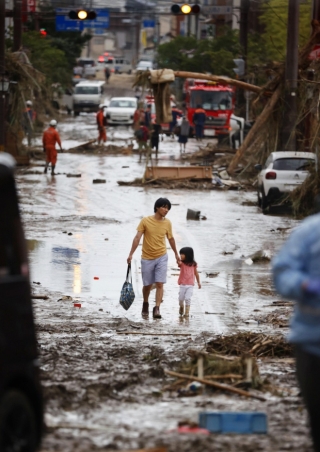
[(154, 236)]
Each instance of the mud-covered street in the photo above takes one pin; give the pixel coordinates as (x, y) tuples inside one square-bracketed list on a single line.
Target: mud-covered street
[(106, 390)]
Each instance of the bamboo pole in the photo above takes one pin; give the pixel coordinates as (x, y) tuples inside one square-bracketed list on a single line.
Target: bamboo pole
[(256, 128), (215, 385), (220, 80), (153, 334)]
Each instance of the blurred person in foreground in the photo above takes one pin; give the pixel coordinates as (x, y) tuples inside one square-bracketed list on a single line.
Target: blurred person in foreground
[(49, 139), (296, 273)]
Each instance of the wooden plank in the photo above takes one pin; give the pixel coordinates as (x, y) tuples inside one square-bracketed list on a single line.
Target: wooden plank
[(153, 334), (179, 172)]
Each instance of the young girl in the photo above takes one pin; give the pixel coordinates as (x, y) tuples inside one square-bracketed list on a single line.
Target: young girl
[(188, 271)]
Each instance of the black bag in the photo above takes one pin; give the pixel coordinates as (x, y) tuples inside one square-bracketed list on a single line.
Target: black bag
[(127, 294), (139, 134)]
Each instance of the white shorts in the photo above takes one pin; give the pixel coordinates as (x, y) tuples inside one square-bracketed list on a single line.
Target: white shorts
[(185, 294)]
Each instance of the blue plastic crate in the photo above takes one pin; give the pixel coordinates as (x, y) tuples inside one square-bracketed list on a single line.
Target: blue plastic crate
[(234, 422)]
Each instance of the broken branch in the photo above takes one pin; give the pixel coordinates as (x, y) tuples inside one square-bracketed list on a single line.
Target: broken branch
[(223, 387)]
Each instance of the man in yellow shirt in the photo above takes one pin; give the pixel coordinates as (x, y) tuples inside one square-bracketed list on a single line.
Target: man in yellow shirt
[(154, 260)]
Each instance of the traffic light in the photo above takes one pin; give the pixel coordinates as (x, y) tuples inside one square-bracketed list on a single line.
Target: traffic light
[(185, 9), (43, 32), (82, 14), (241, 66)]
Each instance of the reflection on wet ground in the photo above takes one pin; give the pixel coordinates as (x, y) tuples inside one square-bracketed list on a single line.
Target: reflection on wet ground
[(80, 230)]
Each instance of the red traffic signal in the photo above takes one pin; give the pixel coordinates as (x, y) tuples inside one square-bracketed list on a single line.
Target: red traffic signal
[(82, 14), (185, 9), (43, 32)]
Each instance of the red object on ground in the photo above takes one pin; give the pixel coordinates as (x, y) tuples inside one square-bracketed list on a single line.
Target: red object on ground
[(77, 305), (96, 277)]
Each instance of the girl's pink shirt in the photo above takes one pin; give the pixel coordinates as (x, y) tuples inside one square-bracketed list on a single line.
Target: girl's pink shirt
[(187, 275)]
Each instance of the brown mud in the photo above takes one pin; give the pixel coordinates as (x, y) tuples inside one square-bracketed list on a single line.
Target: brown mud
[(105, 390)]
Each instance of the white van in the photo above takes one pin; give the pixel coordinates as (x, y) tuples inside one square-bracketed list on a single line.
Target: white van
[(87, 96), (121, 65), (118, 65)]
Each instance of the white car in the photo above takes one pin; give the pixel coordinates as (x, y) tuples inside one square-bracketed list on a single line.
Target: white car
[(121, 110), (144, 66), (282, 173)]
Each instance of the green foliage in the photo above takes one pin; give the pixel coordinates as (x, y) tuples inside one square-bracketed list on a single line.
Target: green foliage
[(206, 55), (46, 58), (275, 19)]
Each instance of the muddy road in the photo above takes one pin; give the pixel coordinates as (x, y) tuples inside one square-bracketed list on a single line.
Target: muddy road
[(105, 390)]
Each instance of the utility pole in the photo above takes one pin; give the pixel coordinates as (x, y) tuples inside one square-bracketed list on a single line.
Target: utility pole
[(291, 78), (316, 10), (244, 13), (17, 25), (2, 69)]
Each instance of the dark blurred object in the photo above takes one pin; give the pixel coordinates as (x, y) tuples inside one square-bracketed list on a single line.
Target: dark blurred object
[(21, 407)]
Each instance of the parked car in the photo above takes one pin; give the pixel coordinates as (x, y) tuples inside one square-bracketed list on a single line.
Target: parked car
[(144, 66), (21, 404), (87, 96), (282, 173), (121, 110)]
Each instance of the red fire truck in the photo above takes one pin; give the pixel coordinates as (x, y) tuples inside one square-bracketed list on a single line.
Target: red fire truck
[(217, 101)]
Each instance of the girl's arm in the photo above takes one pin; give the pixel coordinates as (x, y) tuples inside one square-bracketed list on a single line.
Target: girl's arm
[(196, 274)]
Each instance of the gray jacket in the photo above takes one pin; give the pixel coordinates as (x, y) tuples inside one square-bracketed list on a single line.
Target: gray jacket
[(185, 127)]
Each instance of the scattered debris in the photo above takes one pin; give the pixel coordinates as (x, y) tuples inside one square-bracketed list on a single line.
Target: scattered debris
[(223, 387), (40, 297), (193, 214), (178, 172), (212, 275), (73, 175), (242, 343), (65, 298), (215, 313), (99, 181), (259, 256), (153, 334)]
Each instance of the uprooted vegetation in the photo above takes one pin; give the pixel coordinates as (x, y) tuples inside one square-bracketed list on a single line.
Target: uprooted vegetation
[(256, 344)]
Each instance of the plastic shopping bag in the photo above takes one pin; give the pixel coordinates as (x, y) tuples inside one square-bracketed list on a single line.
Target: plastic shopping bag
[(127, 294)]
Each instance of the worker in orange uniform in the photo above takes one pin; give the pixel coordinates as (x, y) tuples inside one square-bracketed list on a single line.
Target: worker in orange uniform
[(49, 139), (101, 123)]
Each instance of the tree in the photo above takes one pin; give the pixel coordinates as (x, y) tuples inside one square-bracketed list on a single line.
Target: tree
[(275, 19), (46, 58), (206, 55)]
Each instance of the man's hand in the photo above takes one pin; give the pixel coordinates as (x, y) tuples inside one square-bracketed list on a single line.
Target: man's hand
[(199, 285), (312, 286), (61, 150), (129, 259)]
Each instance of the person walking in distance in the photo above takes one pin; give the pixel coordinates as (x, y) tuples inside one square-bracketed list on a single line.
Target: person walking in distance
[(154, 229), (107, 74), (29, 116), (155, 132), (101, 123), (188, 272), (49, 139), (296, 274), (142, 136), (199, 120), (175, 115), (184, 134)]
